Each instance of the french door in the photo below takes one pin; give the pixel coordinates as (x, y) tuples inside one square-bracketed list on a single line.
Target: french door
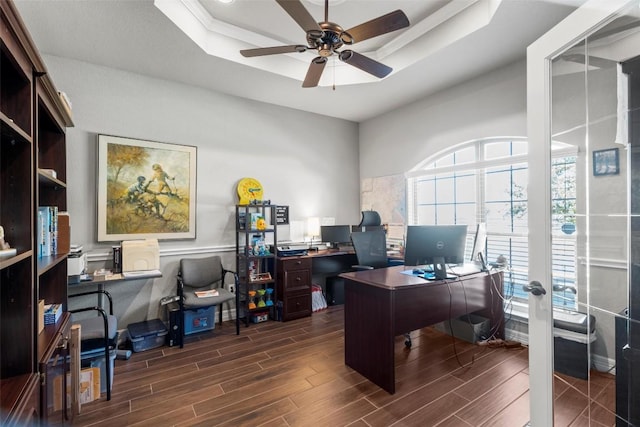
[(580, 91)]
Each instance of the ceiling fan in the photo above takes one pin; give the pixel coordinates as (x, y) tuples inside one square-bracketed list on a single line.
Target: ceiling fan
[(327, 37)]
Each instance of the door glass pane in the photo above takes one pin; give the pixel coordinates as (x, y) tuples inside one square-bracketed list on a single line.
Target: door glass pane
[(594, 96)]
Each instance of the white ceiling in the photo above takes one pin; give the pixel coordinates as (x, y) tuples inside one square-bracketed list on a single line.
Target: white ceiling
[(439, 49)]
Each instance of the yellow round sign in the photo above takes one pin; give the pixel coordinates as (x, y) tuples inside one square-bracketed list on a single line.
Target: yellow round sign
[(249, 189)]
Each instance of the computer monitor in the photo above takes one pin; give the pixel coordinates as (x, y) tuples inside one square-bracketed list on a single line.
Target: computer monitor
[(479, 245), (335, 234), (435, 245)]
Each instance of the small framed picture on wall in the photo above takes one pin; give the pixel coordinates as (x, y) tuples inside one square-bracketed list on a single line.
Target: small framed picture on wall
[(606, 162)]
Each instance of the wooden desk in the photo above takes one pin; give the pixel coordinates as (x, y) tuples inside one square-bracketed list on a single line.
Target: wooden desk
[(383, 303)]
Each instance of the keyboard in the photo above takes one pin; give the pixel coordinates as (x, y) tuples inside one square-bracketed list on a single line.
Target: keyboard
[(464, 269)]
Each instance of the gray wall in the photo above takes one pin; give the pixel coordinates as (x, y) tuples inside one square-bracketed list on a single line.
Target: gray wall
[(315, 173), (490, 105)]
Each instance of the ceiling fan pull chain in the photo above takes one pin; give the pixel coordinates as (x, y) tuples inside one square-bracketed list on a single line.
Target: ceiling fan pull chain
[(334, 73)]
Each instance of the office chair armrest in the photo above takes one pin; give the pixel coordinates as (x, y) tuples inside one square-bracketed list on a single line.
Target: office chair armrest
[(97, 293), (362, 267)]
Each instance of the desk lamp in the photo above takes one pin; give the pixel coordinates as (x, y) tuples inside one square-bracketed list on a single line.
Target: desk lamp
[(313, 230)]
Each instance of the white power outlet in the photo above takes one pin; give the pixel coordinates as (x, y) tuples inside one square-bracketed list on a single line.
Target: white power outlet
[(231, 288)]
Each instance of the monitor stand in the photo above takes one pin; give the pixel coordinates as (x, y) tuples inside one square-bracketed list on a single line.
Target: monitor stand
[(439, 268)]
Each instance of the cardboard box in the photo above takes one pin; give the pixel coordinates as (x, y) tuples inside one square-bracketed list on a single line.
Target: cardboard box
[(64, 233), (88, 392)]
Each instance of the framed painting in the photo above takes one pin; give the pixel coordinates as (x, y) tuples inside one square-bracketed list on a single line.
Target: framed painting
[(606, 162), (146, 190)]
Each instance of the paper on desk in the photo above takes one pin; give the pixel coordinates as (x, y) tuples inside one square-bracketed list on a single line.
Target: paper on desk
[(209, 293)]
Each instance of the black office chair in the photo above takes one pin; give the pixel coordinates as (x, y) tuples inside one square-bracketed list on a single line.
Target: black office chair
[(370, 219), (370, 248), (371, 251), (98, 334), (201, 274)]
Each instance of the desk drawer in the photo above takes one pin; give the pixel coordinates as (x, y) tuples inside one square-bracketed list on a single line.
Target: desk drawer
[(296, 280), (294, 287), (295, 264), (297, 306)]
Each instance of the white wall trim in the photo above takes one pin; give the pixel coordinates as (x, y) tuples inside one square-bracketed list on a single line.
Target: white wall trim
[(104, 255)]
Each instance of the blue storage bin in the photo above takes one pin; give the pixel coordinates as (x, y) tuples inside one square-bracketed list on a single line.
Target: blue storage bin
[(147, 335), (199, 320)]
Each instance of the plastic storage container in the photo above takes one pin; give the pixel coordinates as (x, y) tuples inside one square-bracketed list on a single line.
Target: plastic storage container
[(202, 319), (147, 335)]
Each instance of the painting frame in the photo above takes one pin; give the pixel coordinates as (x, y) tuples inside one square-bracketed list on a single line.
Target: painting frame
[(145, 190), (606, 162)]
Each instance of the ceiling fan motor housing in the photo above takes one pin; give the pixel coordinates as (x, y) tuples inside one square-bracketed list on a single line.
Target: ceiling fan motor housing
[(330, 41)]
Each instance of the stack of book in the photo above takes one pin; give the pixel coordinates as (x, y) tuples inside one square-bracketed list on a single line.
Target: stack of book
[(47, 237), (52, 313)]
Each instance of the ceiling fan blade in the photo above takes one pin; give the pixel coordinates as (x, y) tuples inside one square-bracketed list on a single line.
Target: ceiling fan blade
[(261, 51), (381, 25), (365, 63), (302, 16), (314, 72)]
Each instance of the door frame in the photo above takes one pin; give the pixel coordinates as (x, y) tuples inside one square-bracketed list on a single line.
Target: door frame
[(540, 54)]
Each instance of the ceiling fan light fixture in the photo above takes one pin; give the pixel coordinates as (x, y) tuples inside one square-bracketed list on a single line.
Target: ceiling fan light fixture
[(325, 50), (226, 1), (345, 55), (315, 34), (346, 38)]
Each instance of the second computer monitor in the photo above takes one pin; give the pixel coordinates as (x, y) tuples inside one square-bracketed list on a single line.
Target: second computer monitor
[(335, 234), (435, 244)]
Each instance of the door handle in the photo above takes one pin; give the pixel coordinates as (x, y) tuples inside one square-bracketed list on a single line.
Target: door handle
[(535, 288)]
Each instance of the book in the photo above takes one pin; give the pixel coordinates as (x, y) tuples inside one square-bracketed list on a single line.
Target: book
[(52, 313), (209, 293)]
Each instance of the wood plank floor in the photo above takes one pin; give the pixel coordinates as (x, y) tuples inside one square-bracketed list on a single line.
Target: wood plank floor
[(293, 374)]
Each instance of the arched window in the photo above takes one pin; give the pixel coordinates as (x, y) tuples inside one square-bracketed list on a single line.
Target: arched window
[(486, 181)]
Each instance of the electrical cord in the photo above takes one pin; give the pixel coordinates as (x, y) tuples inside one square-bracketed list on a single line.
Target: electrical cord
[(453, 338)]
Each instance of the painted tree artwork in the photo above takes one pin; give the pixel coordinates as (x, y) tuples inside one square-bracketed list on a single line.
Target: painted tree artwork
[(146, 189)]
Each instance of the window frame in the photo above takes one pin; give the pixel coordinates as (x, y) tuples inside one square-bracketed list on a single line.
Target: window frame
[(516, 275)]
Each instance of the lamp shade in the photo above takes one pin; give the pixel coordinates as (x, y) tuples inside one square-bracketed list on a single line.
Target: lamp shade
[(313, 226)]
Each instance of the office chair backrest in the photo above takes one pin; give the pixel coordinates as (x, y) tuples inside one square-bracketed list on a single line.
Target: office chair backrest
[(201, 272), (370, 219), (371, 248)]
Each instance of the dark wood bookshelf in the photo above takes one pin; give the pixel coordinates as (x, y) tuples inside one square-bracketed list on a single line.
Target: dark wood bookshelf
[(33, 122)]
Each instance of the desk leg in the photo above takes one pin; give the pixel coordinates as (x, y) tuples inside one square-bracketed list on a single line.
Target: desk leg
[(368, 333)]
